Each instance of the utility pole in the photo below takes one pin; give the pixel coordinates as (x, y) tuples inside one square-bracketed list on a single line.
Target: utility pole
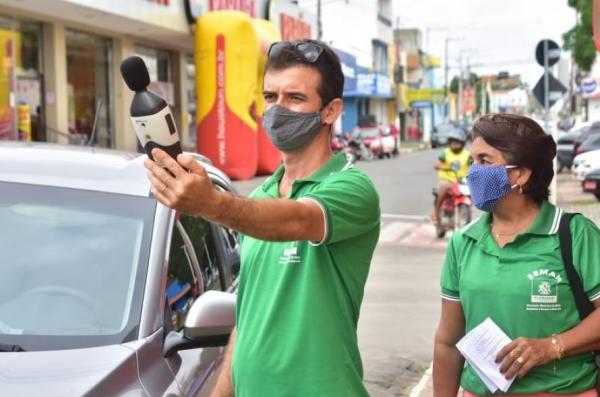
[(319, 24), (460, 91), (446, 69)]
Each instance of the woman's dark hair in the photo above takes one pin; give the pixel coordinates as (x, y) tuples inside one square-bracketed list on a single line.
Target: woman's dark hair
[(331, 85), (523, 143)]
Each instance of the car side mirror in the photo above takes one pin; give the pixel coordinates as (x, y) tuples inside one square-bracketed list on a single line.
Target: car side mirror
[(208, 323)]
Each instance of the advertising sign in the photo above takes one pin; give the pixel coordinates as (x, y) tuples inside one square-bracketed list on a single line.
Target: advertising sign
[(590, 87), (348, 62)]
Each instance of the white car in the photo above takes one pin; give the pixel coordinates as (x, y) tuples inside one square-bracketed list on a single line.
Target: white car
[(105, 291), (584, 163)]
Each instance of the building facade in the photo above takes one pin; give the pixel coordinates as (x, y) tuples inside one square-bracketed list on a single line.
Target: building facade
[(364, 52), (60, 80)]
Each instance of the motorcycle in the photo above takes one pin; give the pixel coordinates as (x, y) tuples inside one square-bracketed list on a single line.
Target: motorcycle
[(455, 208), (339, 143), (359, 150)]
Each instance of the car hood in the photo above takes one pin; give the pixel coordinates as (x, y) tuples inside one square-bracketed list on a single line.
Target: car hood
[(106, 370)]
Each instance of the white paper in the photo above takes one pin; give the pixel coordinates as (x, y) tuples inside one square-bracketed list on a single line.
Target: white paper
[(480, 347)]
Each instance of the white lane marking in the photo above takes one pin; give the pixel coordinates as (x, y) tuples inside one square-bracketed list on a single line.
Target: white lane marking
[(400, 216), (418, 389), (393, 231)]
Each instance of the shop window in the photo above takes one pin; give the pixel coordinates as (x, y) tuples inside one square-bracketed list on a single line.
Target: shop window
[(380, 57), (158, 62), (21, 105), (88, 89)]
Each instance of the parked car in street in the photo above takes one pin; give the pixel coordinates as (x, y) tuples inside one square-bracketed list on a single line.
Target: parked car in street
[(565, 152), (105, 291), (584, 133), (590, 143), (379, 141), (443, 132), (584, 163), (440, 133), (591, 182)]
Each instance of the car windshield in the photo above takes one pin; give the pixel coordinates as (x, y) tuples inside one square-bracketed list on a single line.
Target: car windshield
[(444, 128), (369, 133), (73, 265)]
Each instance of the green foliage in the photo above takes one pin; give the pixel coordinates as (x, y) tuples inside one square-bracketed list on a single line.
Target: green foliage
[(579, 39), (454, 85)]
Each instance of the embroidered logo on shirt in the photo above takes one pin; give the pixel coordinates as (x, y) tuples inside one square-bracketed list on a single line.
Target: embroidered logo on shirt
[(290, 255), (544, 290)]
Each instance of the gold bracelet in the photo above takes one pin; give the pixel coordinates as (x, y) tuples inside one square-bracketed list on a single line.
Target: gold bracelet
[(558, 346)]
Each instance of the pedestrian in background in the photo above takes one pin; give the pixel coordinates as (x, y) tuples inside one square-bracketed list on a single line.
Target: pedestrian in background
[(309, 233), (508, 266)]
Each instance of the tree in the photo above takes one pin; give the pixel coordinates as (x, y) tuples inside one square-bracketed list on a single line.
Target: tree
[(580, 38), (454, 85)]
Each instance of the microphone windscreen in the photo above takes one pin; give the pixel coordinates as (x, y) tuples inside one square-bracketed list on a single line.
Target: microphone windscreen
[(135, 73)]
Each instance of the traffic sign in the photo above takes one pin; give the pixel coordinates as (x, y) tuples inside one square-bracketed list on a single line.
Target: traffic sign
[(553, 52), (556, 88)]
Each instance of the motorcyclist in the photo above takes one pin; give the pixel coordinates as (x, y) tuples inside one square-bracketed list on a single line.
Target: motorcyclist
[(453, 165)]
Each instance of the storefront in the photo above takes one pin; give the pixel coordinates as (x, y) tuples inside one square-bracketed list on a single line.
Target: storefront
[(88, 89), (60, 79), (351, 105), (426, 110), (368, 103), (21, 107)]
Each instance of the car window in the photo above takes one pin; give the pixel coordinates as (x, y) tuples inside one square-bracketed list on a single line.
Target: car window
[(591, 141), (229, 254), (204, 246), (184, 281), (74, 264), (193, 266)]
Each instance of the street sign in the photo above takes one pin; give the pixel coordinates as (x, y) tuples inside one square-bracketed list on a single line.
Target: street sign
[(556, 89), (553, 52)]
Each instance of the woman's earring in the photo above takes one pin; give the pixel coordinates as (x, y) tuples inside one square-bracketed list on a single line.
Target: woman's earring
[(520, 189)]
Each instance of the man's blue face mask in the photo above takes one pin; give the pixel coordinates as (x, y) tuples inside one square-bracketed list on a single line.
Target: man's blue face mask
[(489, 184)]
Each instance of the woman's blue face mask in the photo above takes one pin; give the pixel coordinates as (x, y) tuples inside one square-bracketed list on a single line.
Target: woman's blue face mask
[(489, 184)]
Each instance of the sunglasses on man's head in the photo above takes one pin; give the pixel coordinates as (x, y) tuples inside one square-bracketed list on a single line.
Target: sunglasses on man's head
[(309, 51)]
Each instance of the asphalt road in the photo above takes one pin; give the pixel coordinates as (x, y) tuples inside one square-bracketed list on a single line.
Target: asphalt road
[(401, 305)]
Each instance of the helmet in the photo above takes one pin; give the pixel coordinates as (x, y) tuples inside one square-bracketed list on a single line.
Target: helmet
[(457, 135)]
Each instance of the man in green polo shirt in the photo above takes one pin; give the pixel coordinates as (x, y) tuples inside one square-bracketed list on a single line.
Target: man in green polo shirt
[(309, 233)]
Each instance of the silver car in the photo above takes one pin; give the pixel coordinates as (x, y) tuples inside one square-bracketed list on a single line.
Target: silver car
[(104, 291)]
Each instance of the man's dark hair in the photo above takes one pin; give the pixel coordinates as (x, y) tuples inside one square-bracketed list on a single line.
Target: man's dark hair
[(523, 143), (327, 64)]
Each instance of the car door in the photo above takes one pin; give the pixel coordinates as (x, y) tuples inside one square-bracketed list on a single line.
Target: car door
[(203, 257)]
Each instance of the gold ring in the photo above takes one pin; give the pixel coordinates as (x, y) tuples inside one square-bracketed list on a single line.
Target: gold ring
[(520, 360), (162, 190), (514, 353)]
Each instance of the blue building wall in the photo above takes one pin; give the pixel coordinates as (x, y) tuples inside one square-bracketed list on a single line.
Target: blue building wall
[(350, 114)]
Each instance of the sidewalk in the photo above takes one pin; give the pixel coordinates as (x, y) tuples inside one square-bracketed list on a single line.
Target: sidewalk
[(571, 198)]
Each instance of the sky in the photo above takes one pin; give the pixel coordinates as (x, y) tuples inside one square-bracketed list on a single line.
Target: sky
[(490, 35)]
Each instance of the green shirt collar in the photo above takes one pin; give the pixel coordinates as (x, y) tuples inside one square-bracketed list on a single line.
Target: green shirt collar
[(335, 163), (546, 223)]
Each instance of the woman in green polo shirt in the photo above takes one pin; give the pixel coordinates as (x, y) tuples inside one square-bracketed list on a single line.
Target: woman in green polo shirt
[(507, 266)]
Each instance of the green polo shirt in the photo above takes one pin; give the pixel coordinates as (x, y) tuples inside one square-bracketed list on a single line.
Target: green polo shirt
[(298, 302), (523, 287)]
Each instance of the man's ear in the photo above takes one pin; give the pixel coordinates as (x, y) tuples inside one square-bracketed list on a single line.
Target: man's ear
[(332, 111)]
